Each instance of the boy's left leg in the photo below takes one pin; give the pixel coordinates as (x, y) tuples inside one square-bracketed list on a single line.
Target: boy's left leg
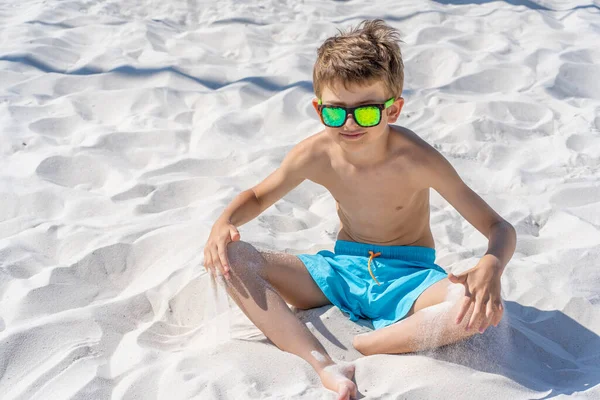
[(430, 323)]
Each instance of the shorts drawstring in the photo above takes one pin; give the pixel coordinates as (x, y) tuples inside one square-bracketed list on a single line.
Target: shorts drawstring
[(373, 255)]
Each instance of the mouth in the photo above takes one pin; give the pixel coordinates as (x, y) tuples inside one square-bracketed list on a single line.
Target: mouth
[(352, 135)]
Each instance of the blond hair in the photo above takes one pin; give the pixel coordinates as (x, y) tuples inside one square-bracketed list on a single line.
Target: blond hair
[(368, 52)]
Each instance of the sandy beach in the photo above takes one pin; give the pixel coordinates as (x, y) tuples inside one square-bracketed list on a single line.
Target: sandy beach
[(127, 126)]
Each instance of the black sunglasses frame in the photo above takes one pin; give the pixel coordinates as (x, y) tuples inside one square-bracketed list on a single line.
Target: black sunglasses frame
[(351, 110)]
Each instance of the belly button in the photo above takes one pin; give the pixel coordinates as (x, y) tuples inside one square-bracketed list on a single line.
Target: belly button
[(399, 208)]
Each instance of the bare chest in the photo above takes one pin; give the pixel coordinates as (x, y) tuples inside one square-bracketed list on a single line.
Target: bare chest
[(374, 196), (385, 204)]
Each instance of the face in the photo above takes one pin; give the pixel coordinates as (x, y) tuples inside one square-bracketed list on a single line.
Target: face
[(351, 133)]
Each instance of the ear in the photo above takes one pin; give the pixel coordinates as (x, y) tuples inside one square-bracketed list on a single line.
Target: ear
[(315, 103), (394, 110)]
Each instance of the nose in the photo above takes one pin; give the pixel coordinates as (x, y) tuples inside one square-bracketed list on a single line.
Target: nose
[(350, 124)]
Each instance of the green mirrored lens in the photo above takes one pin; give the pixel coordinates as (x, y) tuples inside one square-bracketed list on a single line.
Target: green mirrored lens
[(333, 116), (367, 116)]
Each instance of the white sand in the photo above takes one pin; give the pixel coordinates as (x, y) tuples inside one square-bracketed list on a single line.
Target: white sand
[(127, 126)]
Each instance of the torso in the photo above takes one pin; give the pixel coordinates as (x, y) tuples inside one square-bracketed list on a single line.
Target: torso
[(386, 204)]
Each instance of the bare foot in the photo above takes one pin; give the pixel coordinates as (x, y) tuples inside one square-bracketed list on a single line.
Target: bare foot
[(337, 377)]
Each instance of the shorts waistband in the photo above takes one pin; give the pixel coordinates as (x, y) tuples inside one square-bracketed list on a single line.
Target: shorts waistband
[(407, 253)]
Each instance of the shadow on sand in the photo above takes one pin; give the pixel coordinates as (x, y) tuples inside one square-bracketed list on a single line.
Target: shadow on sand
[(529, 4), (545, 351)]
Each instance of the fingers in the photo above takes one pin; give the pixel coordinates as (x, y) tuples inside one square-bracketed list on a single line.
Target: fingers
[(208, 263), (215, 250), (457, 278), (222, 262), (234, 233), (494, 313), (217, 260), (489, 315), (499, 312), (466, 303), (477, 313), (213, 263)]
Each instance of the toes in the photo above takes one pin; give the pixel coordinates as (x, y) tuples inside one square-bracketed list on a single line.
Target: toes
[(349, 369), (343, 392), (347, 391)]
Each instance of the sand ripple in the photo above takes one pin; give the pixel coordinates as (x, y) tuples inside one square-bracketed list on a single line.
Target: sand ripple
[(125, 128)]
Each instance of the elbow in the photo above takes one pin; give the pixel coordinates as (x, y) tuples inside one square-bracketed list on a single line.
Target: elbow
[(257, 200), (512, 234), (507, 230), (511, 230), (252, 192)]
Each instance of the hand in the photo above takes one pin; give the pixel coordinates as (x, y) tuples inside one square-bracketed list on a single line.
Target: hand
[(482, 287), (215, 250)]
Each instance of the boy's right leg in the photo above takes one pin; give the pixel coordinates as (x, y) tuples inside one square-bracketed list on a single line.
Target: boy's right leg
[(260, 284)]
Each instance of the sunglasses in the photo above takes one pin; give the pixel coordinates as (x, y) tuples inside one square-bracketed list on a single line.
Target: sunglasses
[(367, 115)]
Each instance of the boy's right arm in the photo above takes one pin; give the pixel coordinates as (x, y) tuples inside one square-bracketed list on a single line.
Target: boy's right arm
[(250, 203)]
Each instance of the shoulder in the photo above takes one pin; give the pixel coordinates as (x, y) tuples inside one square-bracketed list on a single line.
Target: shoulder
[(309, 153), (419, 152), (424, 159)]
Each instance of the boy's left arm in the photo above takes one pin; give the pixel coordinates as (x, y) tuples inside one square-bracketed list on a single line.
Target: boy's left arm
[(482, 282)]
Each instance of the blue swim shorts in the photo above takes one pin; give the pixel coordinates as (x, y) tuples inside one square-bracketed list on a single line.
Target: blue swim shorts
[(383, 293)]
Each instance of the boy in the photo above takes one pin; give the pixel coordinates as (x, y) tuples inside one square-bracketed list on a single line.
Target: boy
[(383, 266)]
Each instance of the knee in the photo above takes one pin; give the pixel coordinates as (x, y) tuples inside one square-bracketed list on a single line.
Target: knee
[(234, 248), (243, 257)]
